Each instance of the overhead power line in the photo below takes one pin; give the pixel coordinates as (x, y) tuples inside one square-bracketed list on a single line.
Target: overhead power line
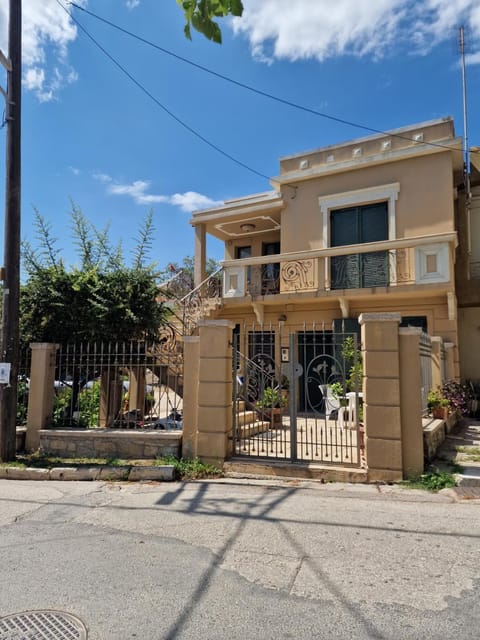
[(157, 102), (252, 89)]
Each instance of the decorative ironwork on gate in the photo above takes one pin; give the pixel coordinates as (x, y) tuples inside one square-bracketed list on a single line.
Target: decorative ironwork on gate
[(298, 397)]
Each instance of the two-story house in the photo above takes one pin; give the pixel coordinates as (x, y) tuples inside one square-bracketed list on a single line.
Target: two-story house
[(368, 225)]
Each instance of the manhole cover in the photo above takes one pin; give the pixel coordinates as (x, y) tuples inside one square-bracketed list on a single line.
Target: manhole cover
[(42, 625)]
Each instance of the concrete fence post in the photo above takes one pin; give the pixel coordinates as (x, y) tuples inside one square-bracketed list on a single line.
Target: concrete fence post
[(41, 391), (411, 401), (437, 343), (381, 394), (191, 362), (449, 360), (215, 403)]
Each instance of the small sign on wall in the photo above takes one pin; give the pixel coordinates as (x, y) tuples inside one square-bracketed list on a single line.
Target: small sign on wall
[(285, 354), (5, 372)]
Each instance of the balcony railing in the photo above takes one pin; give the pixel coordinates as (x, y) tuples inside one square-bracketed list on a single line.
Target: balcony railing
[(422, 260)]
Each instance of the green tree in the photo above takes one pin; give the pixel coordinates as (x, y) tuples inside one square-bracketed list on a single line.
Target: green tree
[(100, 299), (201, 13)]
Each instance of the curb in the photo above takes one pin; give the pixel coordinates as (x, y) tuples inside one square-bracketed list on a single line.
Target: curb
[(125, 473)]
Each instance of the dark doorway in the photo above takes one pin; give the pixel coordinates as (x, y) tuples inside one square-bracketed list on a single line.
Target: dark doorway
[(270, 272)]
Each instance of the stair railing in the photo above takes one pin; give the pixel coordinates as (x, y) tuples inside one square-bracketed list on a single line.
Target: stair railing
[(197, 301)]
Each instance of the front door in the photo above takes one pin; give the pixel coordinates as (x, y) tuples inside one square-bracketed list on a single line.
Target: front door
[(316, 350)]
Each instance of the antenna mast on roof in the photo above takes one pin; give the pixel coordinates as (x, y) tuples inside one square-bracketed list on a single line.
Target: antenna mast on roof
[(466, 154)]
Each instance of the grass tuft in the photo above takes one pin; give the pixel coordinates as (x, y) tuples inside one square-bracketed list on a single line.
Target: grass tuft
[(190, 469), (433, 481)]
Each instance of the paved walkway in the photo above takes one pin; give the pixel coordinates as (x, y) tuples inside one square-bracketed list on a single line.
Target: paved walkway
[(462, 449)]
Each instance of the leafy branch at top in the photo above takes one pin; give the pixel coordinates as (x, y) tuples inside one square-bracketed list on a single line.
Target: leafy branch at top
[(200, 14)]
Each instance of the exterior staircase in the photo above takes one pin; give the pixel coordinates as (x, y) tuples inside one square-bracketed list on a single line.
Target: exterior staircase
[(199, 304), (247, 422)]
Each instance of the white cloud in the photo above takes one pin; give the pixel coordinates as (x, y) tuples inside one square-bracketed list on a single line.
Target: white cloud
[(132, 4), (282, 29), (47, 33), (138, 191), (75, 171)]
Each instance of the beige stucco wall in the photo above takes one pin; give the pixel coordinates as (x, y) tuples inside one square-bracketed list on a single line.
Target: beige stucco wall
[(469, 341), (424, 205)]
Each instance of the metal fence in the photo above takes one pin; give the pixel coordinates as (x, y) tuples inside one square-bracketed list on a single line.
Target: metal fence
[(297, 397), (23, 385), (425, 369), (132, 385)]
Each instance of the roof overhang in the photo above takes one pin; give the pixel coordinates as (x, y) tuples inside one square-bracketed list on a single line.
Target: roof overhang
[(242, 217)]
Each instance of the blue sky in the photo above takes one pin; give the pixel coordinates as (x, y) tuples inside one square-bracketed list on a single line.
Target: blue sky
[(91, 135)]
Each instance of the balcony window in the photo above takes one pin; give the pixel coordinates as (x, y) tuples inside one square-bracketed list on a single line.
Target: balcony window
[(358, 225)]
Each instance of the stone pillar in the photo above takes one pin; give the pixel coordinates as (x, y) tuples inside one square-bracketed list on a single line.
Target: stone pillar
[(200, 266), (215, 404), (191, 360), (436, 362), (41, 392), (411, 401), (449, 360), (381, 396)]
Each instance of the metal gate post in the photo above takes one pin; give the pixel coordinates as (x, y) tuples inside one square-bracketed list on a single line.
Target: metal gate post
[(293, 399)]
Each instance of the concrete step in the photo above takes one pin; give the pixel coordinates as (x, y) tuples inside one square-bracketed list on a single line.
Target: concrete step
[(246, 417), (242, 468), (252, 429), (469, 476)]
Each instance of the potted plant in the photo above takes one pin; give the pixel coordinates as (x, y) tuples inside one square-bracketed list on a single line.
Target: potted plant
[(271, 404), (437, 404)]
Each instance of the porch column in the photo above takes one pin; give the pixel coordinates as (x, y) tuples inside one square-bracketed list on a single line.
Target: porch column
[(200, 272), (41, 391), (215, 403), (381, 395), (411, 401), (191, 359)]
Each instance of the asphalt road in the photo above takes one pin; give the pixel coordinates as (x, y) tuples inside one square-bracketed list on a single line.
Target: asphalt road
[(236, 560)]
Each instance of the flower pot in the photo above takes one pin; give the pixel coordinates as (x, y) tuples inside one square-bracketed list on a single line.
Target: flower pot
[(273, 415), (440, 413)]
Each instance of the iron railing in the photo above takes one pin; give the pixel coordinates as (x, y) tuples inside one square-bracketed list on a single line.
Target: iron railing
[(119, 385), (23, 385), (196, 303), (425, 369)]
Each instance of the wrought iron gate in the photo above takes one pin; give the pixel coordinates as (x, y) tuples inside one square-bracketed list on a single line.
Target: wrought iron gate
[(297, 397)]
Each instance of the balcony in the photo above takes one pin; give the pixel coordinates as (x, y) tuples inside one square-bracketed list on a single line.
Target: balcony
[(421, 260)]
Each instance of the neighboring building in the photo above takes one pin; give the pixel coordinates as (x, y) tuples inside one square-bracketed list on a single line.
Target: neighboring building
[(363, 226), (468, 276)]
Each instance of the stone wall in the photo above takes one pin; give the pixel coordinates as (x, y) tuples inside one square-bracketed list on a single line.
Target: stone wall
[(81, 443)]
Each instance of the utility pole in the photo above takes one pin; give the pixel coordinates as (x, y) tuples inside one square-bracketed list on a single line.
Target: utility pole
[(11, 281), (466, 152)]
